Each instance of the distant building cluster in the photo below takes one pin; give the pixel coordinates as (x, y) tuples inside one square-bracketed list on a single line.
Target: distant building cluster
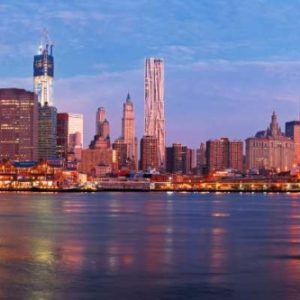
[(31, 129)]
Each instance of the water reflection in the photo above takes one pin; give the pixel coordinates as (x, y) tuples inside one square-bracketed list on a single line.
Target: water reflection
[(149, 246)]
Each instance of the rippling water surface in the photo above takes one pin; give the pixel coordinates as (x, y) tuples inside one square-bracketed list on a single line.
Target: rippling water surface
[(149, 246)]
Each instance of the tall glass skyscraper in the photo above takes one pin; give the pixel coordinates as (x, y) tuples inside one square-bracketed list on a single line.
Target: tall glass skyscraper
[(43, 72), (154, 107)]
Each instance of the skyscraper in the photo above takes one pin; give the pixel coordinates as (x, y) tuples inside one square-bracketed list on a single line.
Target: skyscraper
[(69, 133), (154, 112), (128, 130), (47, 141), (292, 130), (18, 124), (102, 137), (100, 118), (43, 72)]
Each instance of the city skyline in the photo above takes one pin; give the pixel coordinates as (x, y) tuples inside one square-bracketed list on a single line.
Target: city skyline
[(222, 77)]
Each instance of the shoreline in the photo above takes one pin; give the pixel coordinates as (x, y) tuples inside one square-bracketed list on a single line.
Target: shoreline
[(210, 191)]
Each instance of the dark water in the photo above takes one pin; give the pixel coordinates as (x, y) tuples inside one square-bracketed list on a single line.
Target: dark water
[(149, 246)]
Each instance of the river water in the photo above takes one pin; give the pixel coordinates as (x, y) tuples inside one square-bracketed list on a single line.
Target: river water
[(149, 246)]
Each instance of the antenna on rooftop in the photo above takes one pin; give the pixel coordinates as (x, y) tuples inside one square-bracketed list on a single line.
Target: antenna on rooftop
[(45, 41)]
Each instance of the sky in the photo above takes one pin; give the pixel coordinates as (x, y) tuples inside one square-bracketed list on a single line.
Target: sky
[(228, 63)]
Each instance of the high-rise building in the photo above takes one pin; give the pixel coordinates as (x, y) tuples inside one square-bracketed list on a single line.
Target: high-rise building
[(69, 134), (174, 163), (154, 111), (128, 130), (178, 159), (270, 149), (102, 137), (236, 155), (43, 72), (224, 154), (18, 124), (47, 141), (122, 153), (292, 130), (102, 130), (194, 160), (201, 159), (100, 117), (186, 160), (149, 157)]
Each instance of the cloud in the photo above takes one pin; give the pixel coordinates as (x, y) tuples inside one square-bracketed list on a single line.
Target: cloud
[(203, 100)]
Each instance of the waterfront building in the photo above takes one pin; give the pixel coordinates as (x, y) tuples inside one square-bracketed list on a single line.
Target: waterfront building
[(154, 111), (93, 158), (43, 72), (18, 124), (224, 154), (270, 149), (292, 130), (149, 157), (236, 157), (69, 134), (47, 133)]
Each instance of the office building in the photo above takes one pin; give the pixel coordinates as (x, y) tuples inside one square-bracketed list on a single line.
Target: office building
[(149, 157), (69, 134), (47, 137), (270, 149), (224, 154), (18, 124)]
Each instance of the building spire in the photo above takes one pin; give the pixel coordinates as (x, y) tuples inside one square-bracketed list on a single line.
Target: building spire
[(128, 99), (274, 129)]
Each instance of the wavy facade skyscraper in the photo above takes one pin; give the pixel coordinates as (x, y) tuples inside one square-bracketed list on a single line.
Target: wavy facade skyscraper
[(154, 106)]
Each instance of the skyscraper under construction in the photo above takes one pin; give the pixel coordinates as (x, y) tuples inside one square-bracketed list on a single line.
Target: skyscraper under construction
[(43, 71)]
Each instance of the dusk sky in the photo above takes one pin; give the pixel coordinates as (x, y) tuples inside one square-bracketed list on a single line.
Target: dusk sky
[(228, 63)]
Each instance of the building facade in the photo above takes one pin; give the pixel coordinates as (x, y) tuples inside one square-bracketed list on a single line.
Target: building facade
[(93, 159), (224, 154), (154, 106), (292, 130), (18, 124), (47, 134), (201, 159), (128, 131), (270, 149), (69, 134), (149, 157), (102, 137)]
